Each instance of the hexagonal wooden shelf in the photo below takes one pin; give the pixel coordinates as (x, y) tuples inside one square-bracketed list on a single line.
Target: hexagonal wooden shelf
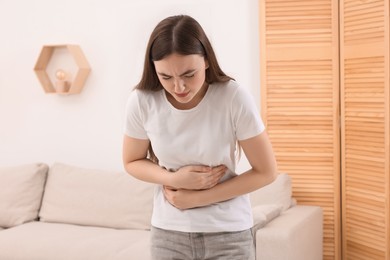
[(74, 86)]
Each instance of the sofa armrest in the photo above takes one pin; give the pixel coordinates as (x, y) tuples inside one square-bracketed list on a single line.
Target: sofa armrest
[(295, 235)]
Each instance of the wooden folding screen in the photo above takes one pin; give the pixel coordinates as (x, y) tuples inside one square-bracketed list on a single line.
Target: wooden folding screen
[(364, 52), (300, 102), (312, 78)]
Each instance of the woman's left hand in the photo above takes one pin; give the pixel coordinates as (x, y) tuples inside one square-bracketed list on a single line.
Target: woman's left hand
[(181, 199)]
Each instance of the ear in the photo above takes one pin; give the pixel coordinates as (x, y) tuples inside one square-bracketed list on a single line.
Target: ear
[(206, 63)]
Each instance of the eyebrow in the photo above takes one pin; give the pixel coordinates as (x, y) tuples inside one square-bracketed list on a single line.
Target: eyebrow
[(185, 73)]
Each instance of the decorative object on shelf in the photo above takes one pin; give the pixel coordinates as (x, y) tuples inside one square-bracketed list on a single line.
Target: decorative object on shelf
[(61, 74), (62, 85)]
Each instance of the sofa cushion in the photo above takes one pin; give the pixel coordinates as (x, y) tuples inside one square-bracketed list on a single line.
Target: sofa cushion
[(48, 241), (297, 234), (21, 189), (96, 198), (276, 193), (263, 214)]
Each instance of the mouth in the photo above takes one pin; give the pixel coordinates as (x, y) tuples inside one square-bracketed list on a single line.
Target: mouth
[(182, 95)]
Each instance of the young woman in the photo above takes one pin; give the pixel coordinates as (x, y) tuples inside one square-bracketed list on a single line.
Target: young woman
[(185, 122)]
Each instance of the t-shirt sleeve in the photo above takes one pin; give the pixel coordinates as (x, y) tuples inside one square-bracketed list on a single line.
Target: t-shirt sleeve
[(134, 126), (246, 116)]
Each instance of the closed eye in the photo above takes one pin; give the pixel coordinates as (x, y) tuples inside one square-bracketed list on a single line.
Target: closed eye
[(187, 74)]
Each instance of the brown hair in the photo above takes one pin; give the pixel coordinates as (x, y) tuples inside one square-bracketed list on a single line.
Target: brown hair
[(183, 35)]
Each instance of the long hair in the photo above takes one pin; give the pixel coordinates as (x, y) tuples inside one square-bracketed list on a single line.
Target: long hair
[(183, 35), (180, 34)]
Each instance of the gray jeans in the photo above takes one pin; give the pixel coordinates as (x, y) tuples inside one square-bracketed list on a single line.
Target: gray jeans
[(174, 245)]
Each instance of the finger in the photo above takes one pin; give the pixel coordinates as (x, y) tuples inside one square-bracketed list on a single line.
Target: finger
[(170, 188), (219, 168), (165, 193), (223, 167), (200, 168), (167, 197), (219, 171)]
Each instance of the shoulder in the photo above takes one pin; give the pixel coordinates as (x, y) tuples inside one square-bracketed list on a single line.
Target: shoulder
[(232, 91), (144, 94), (227, 90), (140, 102), (142, 97), (228, 86)]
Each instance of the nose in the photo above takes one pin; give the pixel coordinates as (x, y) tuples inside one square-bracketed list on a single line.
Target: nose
[(179, 85)]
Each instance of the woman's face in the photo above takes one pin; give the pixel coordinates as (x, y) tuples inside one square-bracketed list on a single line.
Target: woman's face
[(184, 79)]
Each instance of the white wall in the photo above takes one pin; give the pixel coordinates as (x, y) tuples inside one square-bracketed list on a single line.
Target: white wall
[(86, 129)]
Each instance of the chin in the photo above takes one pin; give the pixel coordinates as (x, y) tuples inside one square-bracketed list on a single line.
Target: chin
[(184, 100)]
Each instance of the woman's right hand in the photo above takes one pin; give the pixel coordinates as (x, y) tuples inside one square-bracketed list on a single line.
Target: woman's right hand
[(198, 177)]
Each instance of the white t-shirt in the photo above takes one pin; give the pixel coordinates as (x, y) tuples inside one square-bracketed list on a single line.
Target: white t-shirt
[(204, 135)]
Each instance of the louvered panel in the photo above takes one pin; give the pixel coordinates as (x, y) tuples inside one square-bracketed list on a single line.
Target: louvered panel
[(304, 139), (363, 21), (298, 23), (365, 131), (300, 102), (365, 157)]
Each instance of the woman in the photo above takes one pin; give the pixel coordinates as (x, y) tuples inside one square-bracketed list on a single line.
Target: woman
[(183, 123)]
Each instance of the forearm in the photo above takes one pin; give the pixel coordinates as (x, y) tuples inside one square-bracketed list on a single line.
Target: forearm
[(239, 185), (148, 171), (258, 151)]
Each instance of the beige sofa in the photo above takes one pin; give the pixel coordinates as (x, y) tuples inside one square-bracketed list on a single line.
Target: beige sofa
[(72, 213)]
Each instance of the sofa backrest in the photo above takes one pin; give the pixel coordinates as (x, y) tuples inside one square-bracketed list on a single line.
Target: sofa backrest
[(91, 197), (277, 193), (21, 189)]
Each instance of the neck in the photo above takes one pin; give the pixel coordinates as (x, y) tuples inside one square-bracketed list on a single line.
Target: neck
[(192, 103)]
